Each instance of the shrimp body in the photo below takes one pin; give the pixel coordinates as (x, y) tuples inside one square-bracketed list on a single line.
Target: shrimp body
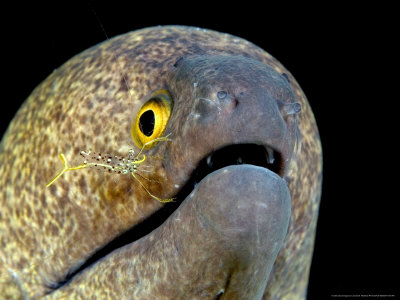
[(112, 163)]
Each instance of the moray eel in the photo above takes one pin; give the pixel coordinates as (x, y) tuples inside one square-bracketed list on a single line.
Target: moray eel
[(242, 163)]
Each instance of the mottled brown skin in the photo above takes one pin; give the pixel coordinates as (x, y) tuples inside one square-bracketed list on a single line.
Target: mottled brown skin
[(89, 103)]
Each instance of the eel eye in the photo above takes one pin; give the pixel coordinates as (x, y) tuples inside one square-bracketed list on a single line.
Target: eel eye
[(152, 119)]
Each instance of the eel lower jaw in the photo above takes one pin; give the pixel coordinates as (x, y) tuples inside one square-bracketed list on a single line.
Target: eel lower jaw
[(223, 239), (237, 154)]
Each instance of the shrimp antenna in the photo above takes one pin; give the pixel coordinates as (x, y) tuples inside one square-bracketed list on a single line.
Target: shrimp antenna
[(105, 33)]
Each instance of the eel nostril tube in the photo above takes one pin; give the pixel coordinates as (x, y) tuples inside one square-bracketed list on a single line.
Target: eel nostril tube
[(289, 108)]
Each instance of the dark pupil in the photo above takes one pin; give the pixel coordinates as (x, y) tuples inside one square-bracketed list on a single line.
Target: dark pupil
[(146, 123)]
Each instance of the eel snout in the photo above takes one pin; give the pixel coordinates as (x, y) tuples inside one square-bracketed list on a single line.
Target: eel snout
[(220, 243)]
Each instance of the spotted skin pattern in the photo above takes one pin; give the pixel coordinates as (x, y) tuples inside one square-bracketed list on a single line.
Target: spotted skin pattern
[(89, 102)]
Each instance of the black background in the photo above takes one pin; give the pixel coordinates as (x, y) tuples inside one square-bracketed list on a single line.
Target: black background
[(338, 55)]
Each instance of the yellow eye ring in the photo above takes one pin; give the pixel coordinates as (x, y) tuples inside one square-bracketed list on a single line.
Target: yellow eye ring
[(152, 119)]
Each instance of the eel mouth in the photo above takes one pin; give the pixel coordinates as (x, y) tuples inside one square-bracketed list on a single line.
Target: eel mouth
[(237, 154)]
